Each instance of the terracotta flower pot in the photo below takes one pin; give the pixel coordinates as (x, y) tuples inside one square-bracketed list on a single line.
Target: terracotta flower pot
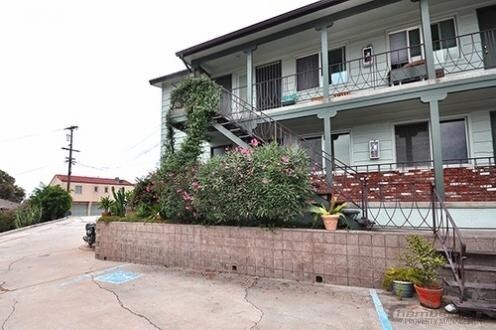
[(428, 297), (330, 221)]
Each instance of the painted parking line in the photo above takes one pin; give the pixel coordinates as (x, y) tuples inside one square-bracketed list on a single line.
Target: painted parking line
[(117, 277), (386, 325)]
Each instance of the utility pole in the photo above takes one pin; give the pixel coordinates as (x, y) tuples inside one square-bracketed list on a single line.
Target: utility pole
[(70, 160)]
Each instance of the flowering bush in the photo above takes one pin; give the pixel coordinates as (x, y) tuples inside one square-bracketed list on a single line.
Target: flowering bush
[(268, 185)]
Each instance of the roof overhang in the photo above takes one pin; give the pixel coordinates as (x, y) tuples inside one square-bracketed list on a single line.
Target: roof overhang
[(315, 15), (171, 78)]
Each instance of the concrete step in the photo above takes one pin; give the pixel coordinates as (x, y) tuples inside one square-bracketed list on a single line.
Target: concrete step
[(473, 290), (473, 273), (477, 306)]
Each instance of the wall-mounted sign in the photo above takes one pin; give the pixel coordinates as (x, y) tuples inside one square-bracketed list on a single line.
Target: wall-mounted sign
[(367, 57), (374, 152)]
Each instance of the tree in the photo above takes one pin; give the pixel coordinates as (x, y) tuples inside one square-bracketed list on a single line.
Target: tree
[(54, 201), (9, 190)]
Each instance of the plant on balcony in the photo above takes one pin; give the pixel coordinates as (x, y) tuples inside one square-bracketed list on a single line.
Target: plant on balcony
[(423, 257)]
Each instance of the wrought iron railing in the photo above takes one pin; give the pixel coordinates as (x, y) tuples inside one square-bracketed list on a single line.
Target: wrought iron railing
[(378, 71), (451, 240)]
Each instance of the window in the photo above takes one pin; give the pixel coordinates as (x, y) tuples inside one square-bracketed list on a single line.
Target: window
[(95, 189), (313, 147), (412, 143), (78, 189), (454, 141), (219, 150), (307, 72), (341, 147), (337, 66), (443, 34), (105, 189), (405, 47)]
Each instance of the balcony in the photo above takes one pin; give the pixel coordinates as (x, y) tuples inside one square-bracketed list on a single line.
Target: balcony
[(456, 58)]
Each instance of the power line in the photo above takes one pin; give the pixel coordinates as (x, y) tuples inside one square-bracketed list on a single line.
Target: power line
[(28, 136)]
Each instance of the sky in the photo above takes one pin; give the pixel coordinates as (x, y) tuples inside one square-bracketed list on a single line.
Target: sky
[(88, 63)]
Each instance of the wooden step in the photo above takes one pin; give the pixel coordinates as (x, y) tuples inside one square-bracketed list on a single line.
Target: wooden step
[(474, 252)]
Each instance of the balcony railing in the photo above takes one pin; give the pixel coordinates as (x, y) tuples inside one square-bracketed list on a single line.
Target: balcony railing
[(462, 53)]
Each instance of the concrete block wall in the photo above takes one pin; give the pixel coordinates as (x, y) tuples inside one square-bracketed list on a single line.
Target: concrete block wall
[(355, 258)]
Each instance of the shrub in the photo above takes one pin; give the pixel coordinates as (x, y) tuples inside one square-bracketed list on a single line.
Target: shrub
[(268, 185), (54, 201), (145, 191), (7, 220), (27, 214)]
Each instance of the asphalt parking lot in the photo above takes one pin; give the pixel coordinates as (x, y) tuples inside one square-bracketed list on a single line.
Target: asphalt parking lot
[(50, 280)]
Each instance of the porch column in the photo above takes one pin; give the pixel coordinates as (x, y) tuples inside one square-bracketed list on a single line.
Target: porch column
[(324, 49), (328, 159), (437, 152), (427, 33), (249, 75)]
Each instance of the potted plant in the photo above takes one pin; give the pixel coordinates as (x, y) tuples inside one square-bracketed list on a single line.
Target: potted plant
[(422, 257), (400, 280), (330, 217), (105, 204)]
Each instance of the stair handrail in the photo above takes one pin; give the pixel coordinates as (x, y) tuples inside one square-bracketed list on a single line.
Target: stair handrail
[(250, 117), (451, 239)]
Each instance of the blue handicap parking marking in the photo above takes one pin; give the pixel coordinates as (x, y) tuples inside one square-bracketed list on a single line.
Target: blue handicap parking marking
[(117, 277)]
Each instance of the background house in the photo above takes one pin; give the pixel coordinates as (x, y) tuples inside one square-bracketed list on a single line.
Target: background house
[(87, 191), (7, 205)]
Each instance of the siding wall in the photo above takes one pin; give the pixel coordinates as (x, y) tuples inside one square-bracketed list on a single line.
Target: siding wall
[(354, 37)]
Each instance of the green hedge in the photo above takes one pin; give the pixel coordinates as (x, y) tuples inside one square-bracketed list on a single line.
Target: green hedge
[(267, 185)]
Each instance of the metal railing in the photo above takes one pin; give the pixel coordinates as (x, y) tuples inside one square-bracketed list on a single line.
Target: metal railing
[(381, 70), (451, 240)]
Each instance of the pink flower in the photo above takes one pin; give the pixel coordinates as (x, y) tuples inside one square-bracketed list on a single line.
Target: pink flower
[(186, 197), (254, 143), (285, 159), (265, 181), (195, 185)]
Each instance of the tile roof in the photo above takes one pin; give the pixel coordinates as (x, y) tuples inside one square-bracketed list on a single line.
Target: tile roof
[(94, 180)]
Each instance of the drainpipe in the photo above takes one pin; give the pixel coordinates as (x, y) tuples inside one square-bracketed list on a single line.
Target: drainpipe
[(324, 49), (249, 75)]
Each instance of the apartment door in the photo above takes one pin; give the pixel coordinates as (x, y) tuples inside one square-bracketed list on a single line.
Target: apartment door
[(225, 101), (268, 82), (487, 26)]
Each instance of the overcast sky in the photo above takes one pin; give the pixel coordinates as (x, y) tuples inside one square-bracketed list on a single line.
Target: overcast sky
[(88, 63)]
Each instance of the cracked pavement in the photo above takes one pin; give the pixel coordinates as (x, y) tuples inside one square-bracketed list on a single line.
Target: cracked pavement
[(49, 279)]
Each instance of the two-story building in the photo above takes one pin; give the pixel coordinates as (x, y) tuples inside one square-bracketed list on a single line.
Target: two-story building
[(86, 191), (402, 91)]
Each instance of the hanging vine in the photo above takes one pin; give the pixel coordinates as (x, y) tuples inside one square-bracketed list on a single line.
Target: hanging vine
[(200, 98)]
